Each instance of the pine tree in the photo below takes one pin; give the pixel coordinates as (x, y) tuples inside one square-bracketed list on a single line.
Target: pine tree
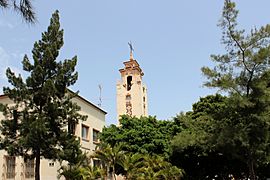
[(37, 122), (243, 72)]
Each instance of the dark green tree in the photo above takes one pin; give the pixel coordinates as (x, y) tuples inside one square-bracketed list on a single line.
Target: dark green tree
[(72, 159), (243, 73), (35, 126), (23, 7), (142, 135), (195, 147)]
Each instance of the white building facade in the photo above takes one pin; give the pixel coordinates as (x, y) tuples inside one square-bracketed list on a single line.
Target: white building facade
[(15, 168)]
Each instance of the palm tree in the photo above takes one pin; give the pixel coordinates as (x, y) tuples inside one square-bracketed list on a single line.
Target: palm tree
[(70, 173), (81, 173), (136, 166), (23, 7), (169, 172), (157, 168), (90, 173), (109, 156), (132, 165)]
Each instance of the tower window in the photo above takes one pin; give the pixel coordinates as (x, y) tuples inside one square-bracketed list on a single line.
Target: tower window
[(51, 164), (129, 80), (128, 97), (144, 107)]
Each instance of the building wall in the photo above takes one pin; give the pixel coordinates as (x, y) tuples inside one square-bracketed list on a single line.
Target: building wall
[(48, 169), (95, 121)]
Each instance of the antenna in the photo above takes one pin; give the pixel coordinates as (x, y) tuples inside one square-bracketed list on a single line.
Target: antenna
[(100, 91)]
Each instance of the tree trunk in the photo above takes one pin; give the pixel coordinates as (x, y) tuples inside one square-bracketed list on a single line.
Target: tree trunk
[(114, 175), (37, 165), (251, 170), (107, 172)]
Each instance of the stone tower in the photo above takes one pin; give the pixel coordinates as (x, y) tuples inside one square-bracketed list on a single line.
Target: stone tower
[(131, 92)]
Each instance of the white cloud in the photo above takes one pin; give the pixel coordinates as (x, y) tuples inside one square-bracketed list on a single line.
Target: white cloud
[(4, 58), (6, 24), (5, 62)]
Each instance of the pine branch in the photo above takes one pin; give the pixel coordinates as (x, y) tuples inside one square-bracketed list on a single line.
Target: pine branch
[(23, 7)]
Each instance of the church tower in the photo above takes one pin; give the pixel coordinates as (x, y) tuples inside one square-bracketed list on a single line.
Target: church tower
[(131, 92)]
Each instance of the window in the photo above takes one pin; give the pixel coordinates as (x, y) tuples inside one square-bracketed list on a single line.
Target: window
[(144, 109), (128, 97), (10, 162), (95, 135), (129, 80), (71, 127), (29, 168), (51, 164), (129, 108), (85, 132)]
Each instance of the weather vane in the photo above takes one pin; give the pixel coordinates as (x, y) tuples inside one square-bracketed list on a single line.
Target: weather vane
[(131, 49)]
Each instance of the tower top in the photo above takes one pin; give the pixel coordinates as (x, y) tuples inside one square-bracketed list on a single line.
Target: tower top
[(131, 66), (131, 50)]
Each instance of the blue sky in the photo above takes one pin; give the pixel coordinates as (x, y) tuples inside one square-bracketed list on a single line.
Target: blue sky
[(172, 40)]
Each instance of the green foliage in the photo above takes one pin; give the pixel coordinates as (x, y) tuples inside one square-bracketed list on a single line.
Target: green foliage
[(23, 7), (213, 104), (91, 173), (82, 170), (246, 59), (72, 173), (143, 141), (135, 165), (236, 127), (132, 165), (142, 135), (217, 140), (35, 125), (110, 156), (197, 148), (156, 168), (71, 149)]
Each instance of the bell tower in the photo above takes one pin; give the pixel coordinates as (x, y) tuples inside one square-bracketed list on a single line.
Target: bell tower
[(131, 92)]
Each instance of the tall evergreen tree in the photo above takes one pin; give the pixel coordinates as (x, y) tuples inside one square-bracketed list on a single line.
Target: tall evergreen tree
[(200, 149), (35, 125), (243, 72)]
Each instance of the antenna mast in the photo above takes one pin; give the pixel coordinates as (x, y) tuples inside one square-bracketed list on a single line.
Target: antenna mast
[(100, 91)]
